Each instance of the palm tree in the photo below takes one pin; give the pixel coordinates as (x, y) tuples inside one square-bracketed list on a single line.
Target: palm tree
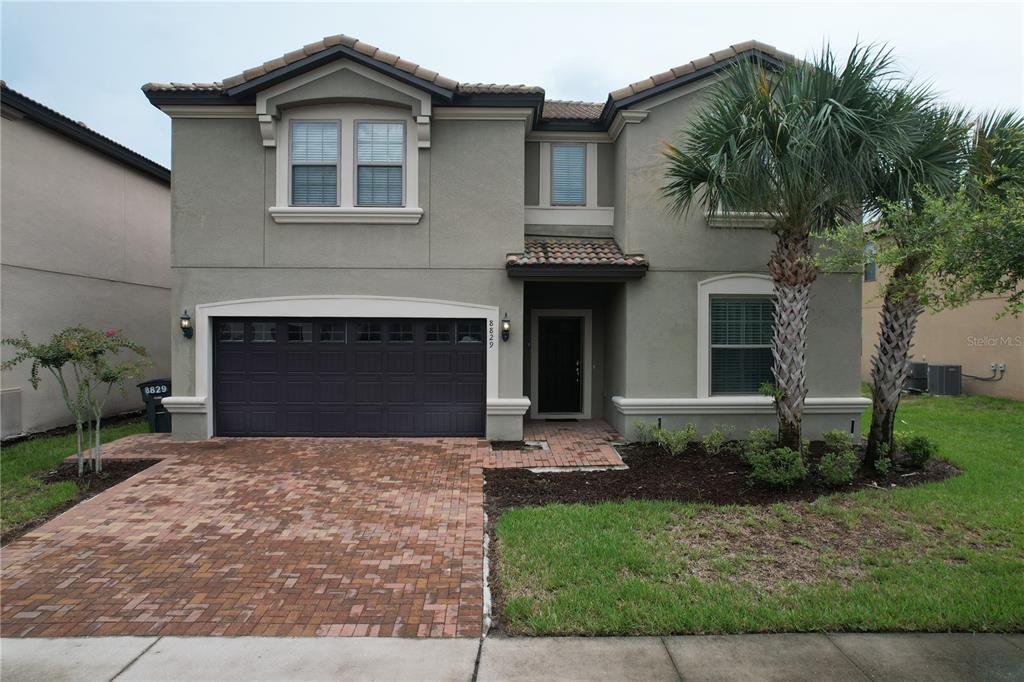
[(798, 144), (948, 154)]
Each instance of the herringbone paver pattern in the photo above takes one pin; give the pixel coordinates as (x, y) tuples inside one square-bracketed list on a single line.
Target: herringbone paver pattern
[(277, 536)]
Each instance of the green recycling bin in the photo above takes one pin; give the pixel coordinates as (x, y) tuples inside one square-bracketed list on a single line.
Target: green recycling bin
[(153, 393)]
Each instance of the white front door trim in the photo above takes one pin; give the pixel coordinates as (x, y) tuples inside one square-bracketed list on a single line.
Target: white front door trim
[(585, 361), (326, 306)]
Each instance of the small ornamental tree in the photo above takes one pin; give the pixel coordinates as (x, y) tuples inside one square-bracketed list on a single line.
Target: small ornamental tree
[(84, 364)]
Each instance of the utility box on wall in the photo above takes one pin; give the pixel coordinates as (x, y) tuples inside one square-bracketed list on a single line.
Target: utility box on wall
[(944, 379)]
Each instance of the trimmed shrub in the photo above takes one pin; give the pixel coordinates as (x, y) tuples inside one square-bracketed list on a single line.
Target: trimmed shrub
[(645, 432), (675, 441), (837, 468), (715, 441), (778, 468), (918, 450), (759, 441), (838, 440)]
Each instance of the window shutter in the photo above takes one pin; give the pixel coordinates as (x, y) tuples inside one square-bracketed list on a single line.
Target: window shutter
[(568, 175)]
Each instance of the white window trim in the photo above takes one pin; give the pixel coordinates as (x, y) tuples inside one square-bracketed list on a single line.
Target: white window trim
[(585, 361), (738, 284), (336, 307), (337, 162), (347, 211), (356, 164), (546, 213)]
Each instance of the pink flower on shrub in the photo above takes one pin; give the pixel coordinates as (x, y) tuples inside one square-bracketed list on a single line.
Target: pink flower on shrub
[(111, 332)]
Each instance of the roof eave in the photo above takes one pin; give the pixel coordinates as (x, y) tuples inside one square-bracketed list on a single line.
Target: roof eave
[(612, 107), (333, 53), (59, 123), (576, 272)]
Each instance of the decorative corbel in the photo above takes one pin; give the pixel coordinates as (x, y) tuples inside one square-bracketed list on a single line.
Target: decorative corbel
[(268, 130), (423, 132)]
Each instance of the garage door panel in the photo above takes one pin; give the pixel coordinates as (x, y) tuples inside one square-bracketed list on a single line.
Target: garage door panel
[(298, 391), (436, 361), (331, 361), (298, 362), (332, 391), (402, 362), (348, 377), (263, 361), (369, 361), (468, 392)]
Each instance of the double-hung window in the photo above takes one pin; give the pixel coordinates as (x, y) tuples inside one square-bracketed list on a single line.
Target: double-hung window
[(568, 175), (741, 338), (380, 163), (314, 163)]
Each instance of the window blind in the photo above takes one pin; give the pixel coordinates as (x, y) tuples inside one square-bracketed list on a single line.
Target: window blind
[(741, 337), (380, 157), (314, 159), (568, 174)]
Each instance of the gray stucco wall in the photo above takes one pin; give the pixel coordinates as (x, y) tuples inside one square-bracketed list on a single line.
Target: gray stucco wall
[(657, 356), (532, 174), (86, 240), (228, 247)]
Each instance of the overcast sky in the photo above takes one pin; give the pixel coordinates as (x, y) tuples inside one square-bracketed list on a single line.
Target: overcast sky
[(88, 60)]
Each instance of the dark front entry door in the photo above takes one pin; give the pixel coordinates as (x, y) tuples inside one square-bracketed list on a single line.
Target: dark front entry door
[(560, 365), (347, 377)]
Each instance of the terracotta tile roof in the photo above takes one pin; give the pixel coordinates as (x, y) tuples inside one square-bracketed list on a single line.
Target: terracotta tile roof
[(575, 110), (573, 251), (370, 51), (553, 109), (697, 64)]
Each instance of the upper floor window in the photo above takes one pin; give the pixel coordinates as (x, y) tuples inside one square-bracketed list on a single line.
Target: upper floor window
[(741, 343), (568, 175), (314, 163), (380, 163)]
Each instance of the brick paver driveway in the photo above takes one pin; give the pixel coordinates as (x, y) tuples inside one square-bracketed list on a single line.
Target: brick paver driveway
[(296, 537)]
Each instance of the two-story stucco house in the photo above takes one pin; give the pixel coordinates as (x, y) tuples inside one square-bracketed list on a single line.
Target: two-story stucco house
[(366, 247), (86, 240)]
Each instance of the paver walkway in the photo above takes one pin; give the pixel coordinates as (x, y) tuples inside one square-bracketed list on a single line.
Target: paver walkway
[(282, 536)]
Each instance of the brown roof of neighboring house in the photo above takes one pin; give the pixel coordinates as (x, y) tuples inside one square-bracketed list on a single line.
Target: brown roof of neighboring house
[(573, 251), (561, 110), (79, 132)]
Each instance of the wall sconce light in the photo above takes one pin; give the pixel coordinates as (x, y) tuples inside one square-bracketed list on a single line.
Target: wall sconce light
[(186, 325), (506, 328)]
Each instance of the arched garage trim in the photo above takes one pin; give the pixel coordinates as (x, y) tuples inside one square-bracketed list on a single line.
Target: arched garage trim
[(332, 306)]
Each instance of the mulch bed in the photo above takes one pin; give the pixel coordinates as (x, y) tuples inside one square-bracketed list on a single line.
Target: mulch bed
[(90, 484), (693, 476)]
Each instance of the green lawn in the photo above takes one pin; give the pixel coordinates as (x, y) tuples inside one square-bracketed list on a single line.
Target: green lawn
[(23, 496), (941, 556)]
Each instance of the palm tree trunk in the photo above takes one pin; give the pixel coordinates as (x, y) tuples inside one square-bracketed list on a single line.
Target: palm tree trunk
[(793, 273), (889, 368)]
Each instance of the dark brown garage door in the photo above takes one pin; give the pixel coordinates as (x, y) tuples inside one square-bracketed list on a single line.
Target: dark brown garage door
[(348, 377)]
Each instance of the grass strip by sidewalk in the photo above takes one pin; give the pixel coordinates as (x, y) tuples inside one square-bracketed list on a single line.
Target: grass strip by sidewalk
[(23, 497), (942, 556)]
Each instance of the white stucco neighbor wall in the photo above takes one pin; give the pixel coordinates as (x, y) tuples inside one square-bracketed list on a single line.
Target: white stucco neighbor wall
[(86, 240)]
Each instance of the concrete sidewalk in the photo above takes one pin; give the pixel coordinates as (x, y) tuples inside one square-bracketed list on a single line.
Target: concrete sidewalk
[(930, 657)]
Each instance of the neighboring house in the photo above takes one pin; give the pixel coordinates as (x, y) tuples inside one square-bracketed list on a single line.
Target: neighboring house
[(969, 336), (86, 240), (352, 231)]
